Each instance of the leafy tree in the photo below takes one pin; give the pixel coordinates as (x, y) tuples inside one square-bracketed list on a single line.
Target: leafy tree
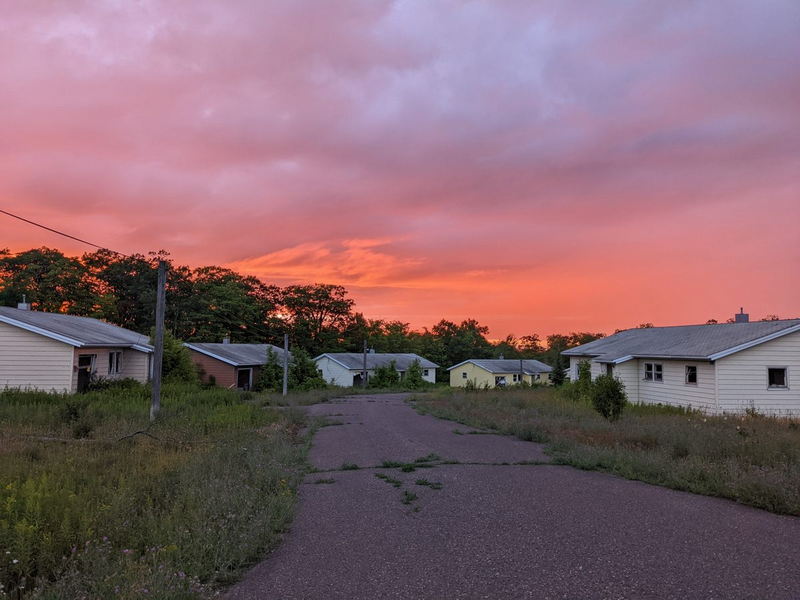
[(414, 379), (608, 397), (270, 377), (712, 322), (303, 372), (557, 376), (584, 378), (49, 280), (224, 302), (385, 376), (645, 326), (771, 318), (530, 345), (177, 362), (318, 315)]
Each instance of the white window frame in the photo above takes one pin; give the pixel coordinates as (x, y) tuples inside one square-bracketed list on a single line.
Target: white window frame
[(686, 375), (115, 362), (656, 372), (424, 372), (515, 377), (785, 377)]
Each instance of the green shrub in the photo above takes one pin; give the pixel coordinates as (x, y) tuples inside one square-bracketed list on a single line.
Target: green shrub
[(608, 396), (413, 379), (385, 376)]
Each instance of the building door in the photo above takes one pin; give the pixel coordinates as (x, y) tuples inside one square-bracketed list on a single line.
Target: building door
[(244, 378), (609, 369), (84, 371)]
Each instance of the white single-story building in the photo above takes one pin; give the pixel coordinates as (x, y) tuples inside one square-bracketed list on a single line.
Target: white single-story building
[(499, 372), (720, 368), (54, 352), (346, 368)]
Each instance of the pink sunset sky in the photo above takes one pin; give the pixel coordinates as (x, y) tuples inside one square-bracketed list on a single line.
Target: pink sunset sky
[(539, 166)]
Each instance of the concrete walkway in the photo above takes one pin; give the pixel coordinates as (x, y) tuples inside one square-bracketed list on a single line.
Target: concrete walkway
[(498, 530)]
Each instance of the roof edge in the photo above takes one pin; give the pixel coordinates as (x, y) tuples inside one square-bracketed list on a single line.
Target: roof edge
[(211, 354), (756, 342), (39, 330)]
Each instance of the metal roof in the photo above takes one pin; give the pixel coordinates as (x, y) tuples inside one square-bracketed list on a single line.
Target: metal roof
[(239, 355), (698, 342), (507, 365), (354, 361), (73, 330)]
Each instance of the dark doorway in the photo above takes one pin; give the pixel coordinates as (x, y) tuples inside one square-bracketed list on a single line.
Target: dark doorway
[(609, 369), (84, 371), (244, 378)]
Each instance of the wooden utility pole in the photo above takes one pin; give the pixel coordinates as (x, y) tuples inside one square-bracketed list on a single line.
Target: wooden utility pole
[(521, 372), (158, 351), (285, 363), (364, 372)]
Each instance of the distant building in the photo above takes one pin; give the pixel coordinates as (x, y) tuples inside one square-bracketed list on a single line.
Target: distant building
[(716, 368), (345, 368), (54, 352), (232, 365), (490, 373)]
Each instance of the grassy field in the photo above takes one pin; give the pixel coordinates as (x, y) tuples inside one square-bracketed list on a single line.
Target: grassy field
[(751, 459), (173, 513)]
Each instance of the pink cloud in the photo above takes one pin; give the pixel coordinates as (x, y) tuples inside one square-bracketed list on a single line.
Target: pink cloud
[(539, 166)]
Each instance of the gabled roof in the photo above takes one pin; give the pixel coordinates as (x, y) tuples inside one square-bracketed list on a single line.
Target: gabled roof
[(354, 361), (73, 330), (239, 355), (695, 342), (507, 365)]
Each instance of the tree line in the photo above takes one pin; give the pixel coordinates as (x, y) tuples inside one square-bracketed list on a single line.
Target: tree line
[(209, 303)]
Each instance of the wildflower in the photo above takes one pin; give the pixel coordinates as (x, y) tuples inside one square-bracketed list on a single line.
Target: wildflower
[(15, 561)]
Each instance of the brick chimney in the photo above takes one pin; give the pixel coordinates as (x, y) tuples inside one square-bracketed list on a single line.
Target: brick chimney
[(741, 317)]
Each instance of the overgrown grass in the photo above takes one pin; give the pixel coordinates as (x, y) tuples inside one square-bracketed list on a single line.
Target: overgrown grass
[(86, 512), (751, 459)]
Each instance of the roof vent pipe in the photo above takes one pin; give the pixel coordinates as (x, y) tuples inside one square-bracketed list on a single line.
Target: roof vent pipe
[(226, 339), (24, 305), (741, 317)]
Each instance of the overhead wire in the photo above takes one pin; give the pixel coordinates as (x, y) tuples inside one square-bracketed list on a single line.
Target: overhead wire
[(56, 231)]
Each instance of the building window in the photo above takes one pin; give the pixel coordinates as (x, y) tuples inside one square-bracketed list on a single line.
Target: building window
[(464, 375), (425, 373), (691, 374), (114, 363), (653, 372), (500, 380), (776, 377), (515, 377)]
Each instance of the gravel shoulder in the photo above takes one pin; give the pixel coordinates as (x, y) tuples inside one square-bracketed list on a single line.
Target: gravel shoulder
[(506, 531)]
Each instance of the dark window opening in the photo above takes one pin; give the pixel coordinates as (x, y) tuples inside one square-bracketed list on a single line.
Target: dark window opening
[(776, 377)]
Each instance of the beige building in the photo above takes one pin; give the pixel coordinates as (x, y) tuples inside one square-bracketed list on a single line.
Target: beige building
[(62, 353), (490, 373), (721, 368)]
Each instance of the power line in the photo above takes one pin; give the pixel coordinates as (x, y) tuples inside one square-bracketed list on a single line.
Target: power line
[(56, 231)]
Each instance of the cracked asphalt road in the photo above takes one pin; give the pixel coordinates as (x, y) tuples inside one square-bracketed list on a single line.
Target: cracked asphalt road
[(506, 531)]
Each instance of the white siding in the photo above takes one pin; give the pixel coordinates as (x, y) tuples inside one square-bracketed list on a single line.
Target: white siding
[(334, 373), (743, 378), (32, 361), (134, 364), (431, 376), (674, 390), (628, 374), (574, 361)]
